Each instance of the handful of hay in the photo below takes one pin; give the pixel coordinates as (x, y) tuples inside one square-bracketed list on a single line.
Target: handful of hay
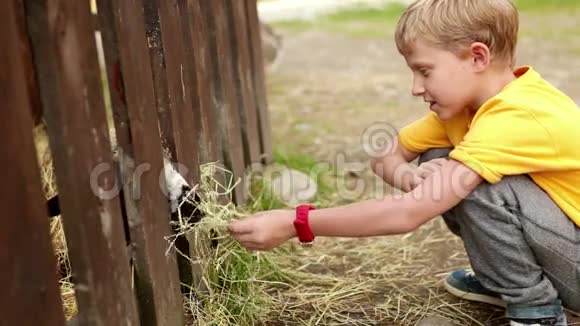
[(230, 282)]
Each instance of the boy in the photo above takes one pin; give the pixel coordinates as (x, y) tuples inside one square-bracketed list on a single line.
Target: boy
[(498, 162)]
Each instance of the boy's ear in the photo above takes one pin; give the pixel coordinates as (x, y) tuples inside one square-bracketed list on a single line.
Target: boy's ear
[(480, 56)]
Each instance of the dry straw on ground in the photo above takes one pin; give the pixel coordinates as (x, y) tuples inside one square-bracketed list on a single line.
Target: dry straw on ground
[(382, 281), (231, 281), (335, 282)]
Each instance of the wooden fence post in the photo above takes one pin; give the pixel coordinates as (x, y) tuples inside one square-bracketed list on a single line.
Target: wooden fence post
[(259, 76), (241, 61), (195, 42), (224, 98), (65, 55), (130, 77), (157, 55), (167, 18), (30, 295), (172, 73), (179, 66)]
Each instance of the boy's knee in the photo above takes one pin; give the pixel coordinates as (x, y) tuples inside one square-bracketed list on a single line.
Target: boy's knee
[(501, 194), (504, 188), (486, 205), (433, 154)]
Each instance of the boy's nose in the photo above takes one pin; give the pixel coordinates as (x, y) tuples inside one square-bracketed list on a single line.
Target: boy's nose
[(417, 89)]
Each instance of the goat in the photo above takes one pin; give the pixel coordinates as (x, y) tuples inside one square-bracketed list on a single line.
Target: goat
[(178, 190), (177, 187)]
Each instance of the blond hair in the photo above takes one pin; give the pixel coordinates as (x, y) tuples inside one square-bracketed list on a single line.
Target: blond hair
[(455, 24)]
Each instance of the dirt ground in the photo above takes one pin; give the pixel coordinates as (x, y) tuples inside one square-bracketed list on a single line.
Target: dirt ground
[(326, 89)]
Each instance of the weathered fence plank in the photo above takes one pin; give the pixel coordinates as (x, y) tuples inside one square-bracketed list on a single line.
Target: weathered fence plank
[(33, 91), (223, 93), (107, 27), (180, 92), (70, 82), (30, 295), (241, 61), (172, 69), (196, 44), (157, 55), (191, 69), (259, 77), (160, 301), (196, 129)]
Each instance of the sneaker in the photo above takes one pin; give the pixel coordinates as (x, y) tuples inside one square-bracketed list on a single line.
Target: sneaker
[(463, 284)]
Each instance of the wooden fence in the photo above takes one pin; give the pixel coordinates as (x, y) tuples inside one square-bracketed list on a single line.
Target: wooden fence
[(190, 69)]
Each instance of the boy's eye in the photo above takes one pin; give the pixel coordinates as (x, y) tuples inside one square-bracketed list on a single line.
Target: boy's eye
[(424, 72)]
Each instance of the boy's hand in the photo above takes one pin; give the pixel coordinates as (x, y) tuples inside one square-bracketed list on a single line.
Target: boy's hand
[(411, 181), (422, 172), (426, 169), (264, 231)]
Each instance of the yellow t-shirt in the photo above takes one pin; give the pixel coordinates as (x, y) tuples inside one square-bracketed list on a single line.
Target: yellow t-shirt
[(530, 127)]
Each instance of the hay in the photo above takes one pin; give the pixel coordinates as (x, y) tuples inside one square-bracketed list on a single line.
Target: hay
[(385, 281), (389, 280), (230, 286), (379, 281), (62, 268), (67, 294)]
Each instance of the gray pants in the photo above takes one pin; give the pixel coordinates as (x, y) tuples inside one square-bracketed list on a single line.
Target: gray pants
[(519, 243)]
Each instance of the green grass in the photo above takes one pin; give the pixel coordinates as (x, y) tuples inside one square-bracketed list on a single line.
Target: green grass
[(380, 22), (387, 13), (535, 5), (296, 161), (319, 171), (231, 283), (564, 23), (565, 35), (358, 22), (261, 197), (238, 279)]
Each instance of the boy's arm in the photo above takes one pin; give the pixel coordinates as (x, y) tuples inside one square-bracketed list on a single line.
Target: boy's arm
[(419, 136), (394, 168), (438, 193)]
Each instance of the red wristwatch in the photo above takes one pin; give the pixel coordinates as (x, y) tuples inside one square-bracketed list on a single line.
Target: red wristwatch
[(301, 224)]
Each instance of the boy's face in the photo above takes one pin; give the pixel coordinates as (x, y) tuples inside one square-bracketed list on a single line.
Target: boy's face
[(446, 82)]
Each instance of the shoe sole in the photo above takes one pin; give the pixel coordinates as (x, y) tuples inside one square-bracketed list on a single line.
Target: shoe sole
[(485, 298), (474, 297)]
